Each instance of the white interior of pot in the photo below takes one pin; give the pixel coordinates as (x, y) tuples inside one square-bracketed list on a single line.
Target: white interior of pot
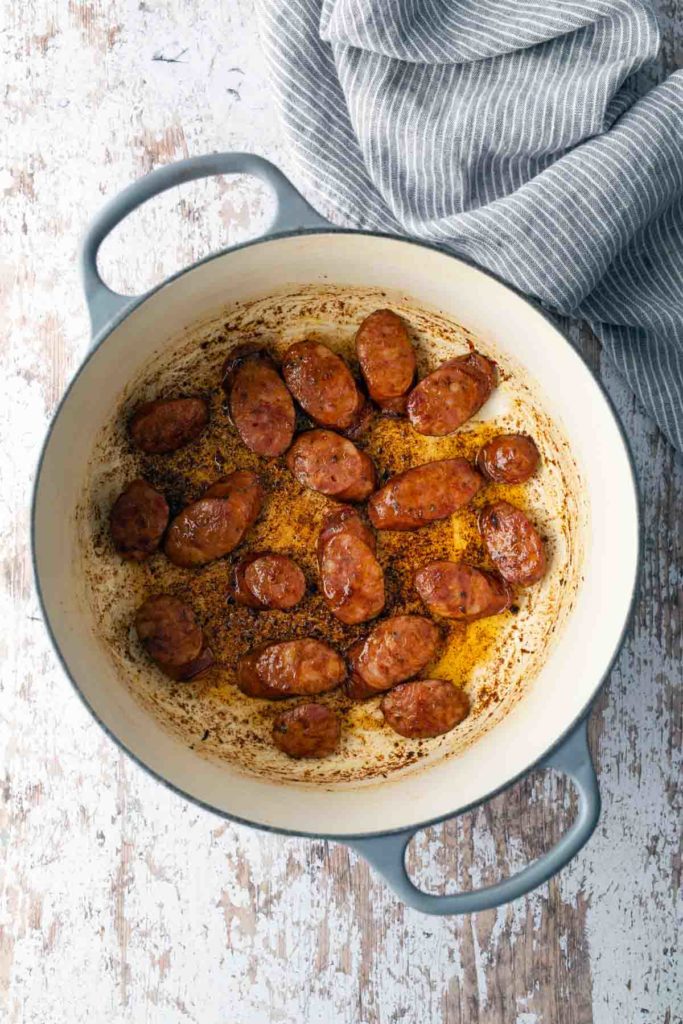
[(577, 661)]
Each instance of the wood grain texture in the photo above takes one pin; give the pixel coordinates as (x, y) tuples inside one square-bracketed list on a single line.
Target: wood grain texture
[(119, 901)]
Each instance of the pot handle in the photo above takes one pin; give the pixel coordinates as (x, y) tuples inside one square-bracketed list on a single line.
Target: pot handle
[(292, 213), (387, 853)]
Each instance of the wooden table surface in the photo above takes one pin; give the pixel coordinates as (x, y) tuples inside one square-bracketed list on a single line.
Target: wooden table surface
[(120, 901)]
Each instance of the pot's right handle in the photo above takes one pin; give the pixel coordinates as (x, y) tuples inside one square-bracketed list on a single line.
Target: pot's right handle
[(387, 853), (292, 213)]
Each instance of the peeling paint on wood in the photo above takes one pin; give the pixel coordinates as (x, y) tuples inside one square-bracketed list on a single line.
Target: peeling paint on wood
[(119, 901)]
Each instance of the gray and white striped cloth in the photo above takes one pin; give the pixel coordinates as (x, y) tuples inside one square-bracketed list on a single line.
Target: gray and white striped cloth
[(511, 132)]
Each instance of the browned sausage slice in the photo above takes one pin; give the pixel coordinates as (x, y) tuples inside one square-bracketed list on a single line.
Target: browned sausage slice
[(352, 578), (172, 637), (476, 363), (509, 458), (331, 464), (268, 580), (290, 669), (396, 406), (459, 591), (386, 358), (345, 520), (361, 423), (166, 424), (446, 398), (248, 678), (513, 544), (394, 650), (355, 687), (423, 494), (194, 668), (425, 708), (137, 520), (204, 531), (260, 405), (311, 730), (168, 630), (213, 526), (242, 486), (322, 384)]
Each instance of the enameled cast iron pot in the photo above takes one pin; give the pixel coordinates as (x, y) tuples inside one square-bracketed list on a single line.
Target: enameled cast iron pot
[(546, 728)]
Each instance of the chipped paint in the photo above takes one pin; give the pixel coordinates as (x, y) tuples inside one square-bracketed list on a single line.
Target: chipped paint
[(118, 901)]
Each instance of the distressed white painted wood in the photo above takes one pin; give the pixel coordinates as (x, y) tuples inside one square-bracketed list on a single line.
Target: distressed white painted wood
[(122, 903)]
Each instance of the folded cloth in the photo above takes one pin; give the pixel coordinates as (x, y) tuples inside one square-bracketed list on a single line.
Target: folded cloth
[(511, 132)]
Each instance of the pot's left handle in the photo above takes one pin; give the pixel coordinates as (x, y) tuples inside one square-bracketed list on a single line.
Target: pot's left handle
[(292, 213)]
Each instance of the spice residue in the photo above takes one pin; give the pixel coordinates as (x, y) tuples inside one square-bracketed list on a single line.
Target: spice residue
[(494, 659)]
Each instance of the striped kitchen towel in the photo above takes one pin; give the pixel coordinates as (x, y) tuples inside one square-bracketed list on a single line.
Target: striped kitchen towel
[(512, 132)]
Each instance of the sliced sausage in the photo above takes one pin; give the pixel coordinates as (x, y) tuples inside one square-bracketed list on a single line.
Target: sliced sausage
[(395, 406), (446, 398), (387, 359), (322, 384), (456, 590), (425, 708), (331, 464), (394, 650), (311, 730), (509, 458), (352, 578), (168, 630), (172, 637), (513, 544), (268, 580), (295, 668), (194, 668), (260, 405), (355, 686), (213, 526), (423, 494), (248, 678), (345, 520), (168, 423), (481, 366), (137, 520), (242, 486), (361, 422)]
